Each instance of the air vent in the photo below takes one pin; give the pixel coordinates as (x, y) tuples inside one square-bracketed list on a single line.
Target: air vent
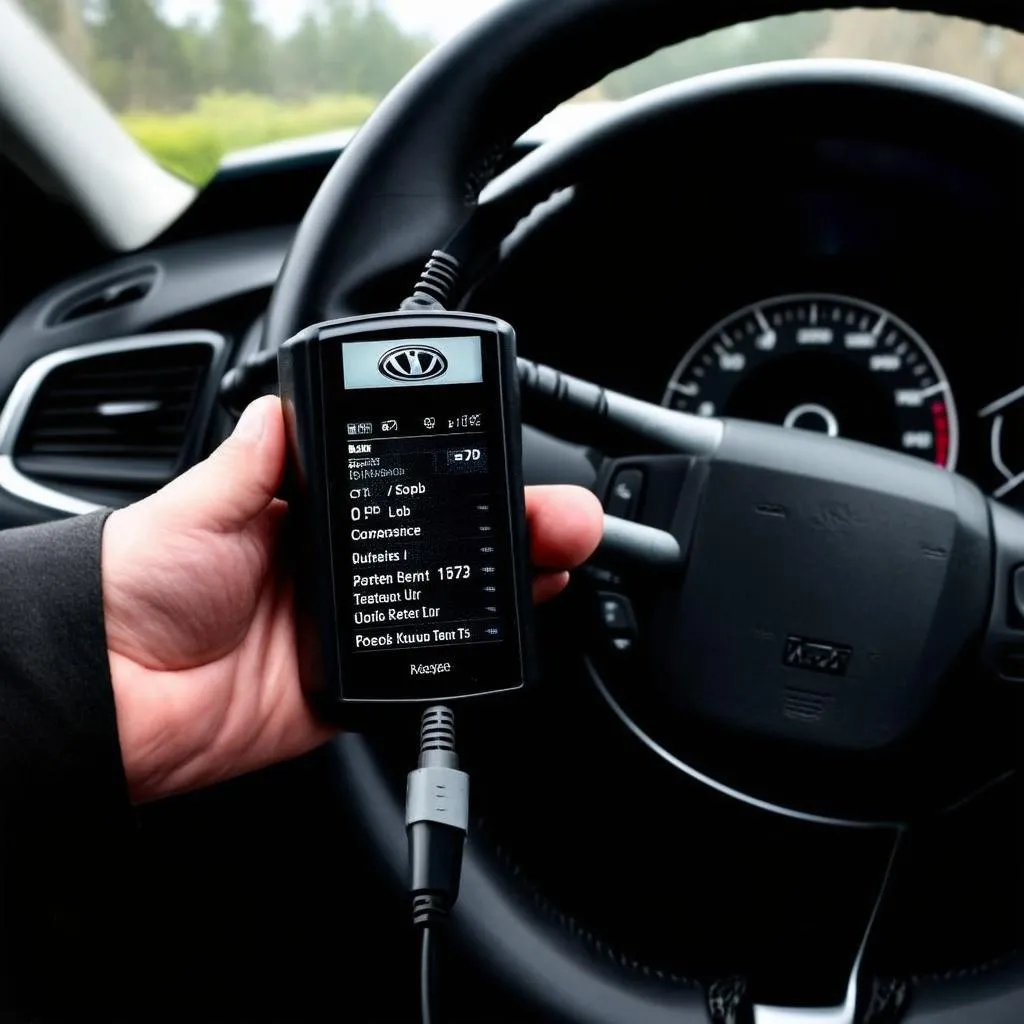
[(107, 423), (102, 297)]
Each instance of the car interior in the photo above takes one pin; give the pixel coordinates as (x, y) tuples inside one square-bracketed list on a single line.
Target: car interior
[(775, 781)]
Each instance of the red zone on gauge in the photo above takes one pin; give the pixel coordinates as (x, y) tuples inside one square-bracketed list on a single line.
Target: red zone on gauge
[(940, 418)]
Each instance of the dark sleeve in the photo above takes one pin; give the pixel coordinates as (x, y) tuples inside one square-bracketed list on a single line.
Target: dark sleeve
[(65, 817), (58, 730)]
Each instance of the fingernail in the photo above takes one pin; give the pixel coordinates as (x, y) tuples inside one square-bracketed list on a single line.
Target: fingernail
[(252, 424)]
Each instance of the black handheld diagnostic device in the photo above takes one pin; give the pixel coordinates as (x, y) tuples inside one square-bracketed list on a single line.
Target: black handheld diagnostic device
[(407, 508)]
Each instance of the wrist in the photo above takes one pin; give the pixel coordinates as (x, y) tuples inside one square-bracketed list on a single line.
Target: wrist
[(179, 734), (161, 751)]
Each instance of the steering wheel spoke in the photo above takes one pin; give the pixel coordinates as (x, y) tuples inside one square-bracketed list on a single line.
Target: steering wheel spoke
[(782, 995)]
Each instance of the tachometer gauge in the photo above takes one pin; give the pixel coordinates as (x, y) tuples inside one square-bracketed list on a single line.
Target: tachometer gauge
[(826, 363)]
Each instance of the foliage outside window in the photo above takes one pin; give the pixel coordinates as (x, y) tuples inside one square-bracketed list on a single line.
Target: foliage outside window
[(191, 90)]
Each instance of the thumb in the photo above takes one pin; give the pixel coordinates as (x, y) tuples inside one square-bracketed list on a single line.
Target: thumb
[(239, 480)]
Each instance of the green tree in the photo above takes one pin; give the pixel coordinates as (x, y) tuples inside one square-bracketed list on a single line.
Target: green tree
[(300, 69), (364, 49), (242, 48), (386, 52), (140, 59), (340, 60), (198, 52)]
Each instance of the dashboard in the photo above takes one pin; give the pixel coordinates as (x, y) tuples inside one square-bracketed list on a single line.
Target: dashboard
[(852, 286)]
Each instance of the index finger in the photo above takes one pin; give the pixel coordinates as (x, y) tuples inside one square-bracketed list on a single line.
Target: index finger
[(565, 525)]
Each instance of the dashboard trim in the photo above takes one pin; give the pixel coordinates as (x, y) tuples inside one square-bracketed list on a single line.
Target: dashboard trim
[(25, 389)]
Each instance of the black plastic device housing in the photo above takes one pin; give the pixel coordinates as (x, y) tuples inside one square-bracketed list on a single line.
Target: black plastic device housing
[(314, 402)]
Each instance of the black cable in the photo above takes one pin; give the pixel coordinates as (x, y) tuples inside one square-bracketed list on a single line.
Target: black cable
[(436, 819), (437, 283), (427, 972)]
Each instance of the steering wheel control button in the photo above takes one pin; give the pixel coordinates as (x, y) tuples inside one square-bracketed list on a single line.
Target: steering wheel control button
[(616, 613), (618, 621), (624, 494)]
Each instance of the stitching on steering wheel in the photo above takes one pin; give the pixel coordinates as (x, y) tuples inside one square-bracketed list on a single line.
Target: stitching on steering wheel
[(485, 170), (569, 924), (958, 973)]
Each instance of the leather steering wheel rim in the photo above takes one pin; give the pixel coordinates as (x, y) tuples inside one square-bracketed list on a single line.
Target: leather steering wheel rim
[(407, 183)]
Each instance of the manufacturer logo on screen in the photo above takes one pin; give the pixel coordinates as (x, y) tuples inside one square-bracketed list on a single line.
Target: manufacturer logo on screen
[(413, 363)]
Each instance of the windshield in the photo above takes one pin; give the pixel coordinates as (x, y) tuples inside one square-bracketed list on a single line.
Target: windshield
[(195, 80)]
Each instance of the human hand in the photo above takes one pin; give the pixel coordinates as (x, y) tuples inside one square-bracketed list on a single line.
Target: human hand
[(198, 608)]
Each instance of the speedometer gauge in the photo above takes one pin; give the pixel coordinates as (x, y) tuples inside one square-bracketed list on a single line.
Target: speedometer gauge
[(826, 363)]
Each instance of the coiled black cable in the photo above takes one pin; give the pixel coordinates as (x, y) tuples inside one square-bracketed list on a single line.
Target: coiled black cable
[(437, 282)]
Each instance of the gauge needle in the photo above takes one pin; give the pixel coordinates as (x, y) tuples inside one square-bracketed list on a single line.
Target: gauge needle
[(935, 389), (1012, 482), (997, 448), (1002, 403), (1008, 486)]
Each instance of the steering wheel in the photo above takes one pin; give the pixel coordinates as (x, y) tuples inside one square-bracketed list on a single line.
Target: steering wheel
[(836, 608)]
